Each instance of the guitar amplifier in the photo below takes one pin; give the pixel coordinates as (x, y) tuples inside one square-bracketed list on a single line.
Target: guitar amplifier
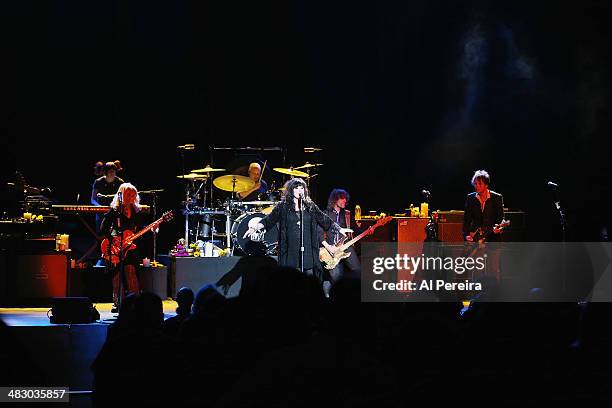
[(450, 226), (450, 232), (411, 229), (384, 233), (517, 231)]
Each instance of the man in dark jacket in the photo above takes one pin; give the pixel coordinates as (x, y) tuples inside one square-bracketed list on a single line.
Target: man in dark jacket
[(484, 210)]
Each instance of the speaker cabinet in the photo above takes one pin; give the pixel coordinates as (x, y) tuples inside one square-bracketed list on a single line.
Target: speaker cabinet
[(450, 231), (41, 276), (411, 229)]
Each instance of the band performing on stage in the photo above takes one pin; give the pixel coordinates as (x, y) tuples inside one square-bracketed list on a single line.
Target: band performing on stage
[(303, 203), (239, 214)]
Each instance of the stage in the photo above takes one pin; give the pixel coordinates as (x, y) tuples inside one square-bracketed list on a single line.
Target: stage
[(63, 353)]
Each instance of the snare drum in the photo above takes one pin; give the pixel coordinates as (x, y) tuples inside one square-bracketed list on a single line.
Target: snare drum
[(262, 243)]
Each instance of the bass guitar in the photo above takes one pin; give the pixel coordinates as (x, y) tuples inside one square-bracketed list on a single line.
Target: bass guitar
[(330, 261)]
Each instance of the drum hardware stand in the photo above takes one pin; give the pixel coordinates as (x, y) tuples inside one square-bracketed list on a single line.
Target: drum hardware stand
[(228, 221)]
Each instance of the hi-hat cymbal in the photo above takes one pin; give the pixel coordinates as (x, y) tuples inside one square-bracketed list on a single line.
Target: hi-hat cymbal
[(193, 176), (308, 166), (290, 172), (234, 183), (206, 169)]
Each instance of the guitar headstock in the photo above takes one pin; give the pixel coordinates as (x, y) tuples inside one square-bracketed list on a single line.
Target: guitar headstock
[(504, 224), (168, 215), (382, 221)]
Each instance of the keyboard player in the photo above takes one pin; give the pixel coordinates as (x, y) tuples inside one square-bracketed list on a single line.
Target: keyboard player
[(104, 188)]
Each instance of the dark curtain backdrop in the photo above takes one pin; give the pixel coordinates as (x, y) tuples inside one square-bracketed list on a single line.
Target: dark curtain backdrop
[(400, 95)]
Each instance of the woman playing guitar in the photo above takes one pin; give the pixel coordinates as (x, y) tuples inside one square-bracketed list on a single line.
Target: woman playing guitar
[(123, 216)]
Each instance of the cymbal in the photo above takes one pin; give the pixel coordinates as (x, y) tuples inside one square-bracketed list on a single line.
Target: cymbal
[(257, 202), (233, 182), (206, 169), (193, 176), (308, 166), (290, 172)]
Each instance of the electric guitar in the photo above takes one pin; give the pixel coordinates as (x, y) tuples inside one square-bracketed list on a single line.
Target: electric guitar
[(480, 236), (114, 252), (330, 261)]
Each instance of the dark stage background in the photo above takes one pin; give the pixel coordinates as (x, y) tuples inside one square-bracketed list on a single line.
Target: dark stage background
[(400, 95)]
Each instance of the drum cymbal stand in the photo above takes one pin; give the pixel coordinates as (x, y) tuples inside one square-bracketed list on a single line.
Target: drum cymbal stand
[(228, 220)]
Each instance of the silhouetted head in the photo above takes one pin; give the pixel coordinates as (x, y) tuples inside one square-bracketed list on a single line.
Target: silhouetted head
[(208, 300), (184, 298), (148, 311)]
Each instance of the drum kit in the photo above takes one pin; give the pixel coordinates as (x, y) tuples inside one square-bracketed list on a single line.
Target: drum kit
[(201, 221)]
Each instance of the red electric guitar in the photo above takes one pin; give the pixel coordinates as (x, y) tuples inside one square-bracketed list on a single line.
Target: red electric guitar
[(116, 252)]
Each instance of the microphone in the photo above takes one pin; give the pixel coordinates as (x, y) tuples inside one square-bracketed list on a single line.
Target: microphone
[(552, 185), (186, 147)]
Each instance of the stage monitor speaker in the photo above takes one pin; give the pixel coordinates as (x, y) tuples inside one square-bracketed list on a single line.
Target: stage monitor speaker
[(73, 310), (40, 276)]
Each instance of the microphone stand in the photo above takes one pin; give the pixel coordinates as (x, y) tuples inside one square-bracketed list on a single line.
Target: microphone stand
[(563, 221), (155, 230), (557, 204), (121, 265), (431, 229), (154, 214), (301, 208)]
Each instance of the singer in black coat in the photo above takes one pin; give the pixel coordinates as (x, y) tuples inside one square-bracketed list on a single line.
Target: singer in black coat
[(314, 218)]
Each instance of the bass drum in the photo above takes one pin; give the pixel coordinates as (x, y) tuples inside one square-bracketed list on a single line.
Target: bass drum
[(260, 244)]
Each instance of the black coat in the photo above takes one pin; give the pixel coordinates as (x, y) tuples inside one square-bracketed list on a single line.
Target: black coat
[(318, 219), (474, 217)]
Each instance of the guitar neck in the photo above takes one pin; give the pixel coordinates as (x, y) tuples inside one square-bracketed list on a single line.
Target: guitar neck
[(146, 229), (357, 238)]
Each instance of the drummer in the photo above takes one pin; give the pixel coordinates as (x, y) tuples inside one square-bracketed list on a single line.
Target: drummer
[(260, 187)]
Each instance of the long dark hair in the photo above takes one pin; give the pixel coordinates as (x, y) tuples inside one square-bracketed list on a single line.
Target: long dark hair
[(335, 195), (287, 196)]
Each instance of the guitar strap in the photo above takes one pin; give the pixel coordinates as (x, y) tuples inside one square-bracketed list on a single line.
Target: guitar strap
[(347, 218)]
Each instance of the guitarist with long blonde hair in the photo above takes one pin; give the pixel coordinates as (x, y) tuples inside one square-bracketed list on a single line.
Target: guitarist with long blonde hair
[(124, 215)]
